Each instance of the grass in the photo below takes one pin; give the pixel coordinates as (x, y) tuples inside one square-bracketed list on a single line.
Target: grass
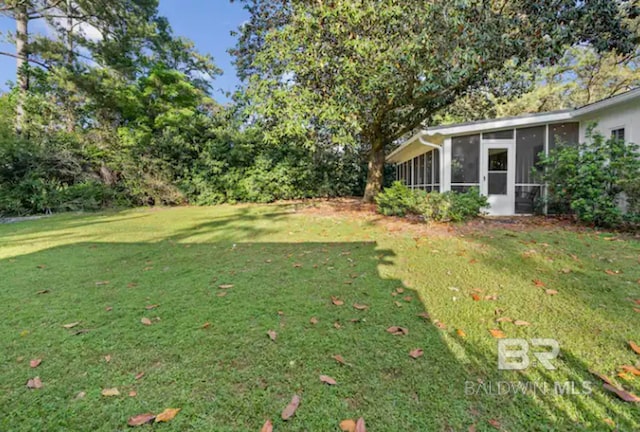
[(285, 266)]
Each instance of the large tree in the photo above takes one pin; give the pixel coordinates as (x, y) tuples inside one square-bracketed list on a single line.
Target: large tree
[(371, 71)]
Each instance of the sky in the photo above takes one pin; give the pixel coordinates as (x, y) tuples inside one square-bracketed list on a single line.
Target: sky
[(207, 22)]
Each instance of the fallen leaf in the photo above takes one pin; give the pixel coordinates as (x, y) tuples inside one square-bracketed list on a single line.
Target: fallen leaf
[(348, 425), (634, 347), (495, 423), (34, 383), (360, 306), (35, 363), (80, 395), (538, 283), (146, 321), (622, 394), (521, 323), (336, 301), (41, 266), (424, 315), (440, 324), (398, 331), (551, 292), (610, 422), (603, 377), (108, 308), (475, 297), (222, 294), (612, 272), (313, 320), (133, 393), (139, 375), (492, 297), (337, 325), (167, 415), (407, 299), (360, 426), (504, 319), (71, 325), (272, 335), (327, 380), (205, 325), (110, 392), (398, 304), (225, 286), (141, 419), (267, 427), (565, 270), (152, 306), (400, 290), (636, 310), (498, 334), (461, 333), (290, 410), (100, 283), (339, 359), (297, 265), (107, 358), (46, 291), (416, 353)]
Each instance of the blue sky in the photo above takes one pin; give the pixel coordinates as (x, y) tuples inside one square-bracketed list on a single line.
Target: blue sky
[(207, 22)]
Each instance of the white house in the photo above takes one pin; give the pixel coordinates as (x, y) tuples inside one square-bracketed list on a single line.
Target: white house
[(498, 155)]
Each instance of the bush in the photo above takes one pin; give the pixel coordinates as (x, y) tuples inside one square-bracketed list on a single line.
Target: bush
[(593, 179), (399, 200)]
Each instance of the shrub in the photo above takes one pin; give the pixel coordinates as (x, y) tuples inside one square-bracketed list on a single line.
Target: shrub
[(399, 200), (593, 178)]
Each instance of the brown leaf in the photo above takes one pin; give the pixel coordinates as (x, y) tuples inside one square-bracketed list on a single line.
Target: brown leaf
[(272, 335), (634, 347), (622, 394), (348, 425), (146, 321), (407, 299), (152, 306), (225, 286), (495, 423), (41, 266), (327, 380), (416, 353), (167, 415), (424, 315), (521, 323), (631, 369), (141, 419), (440, 324), (221, 294), (110, 392), (100, 283), (336, 301), (475, 297), (139, 375), (71, 325), (612, 272), (551, 292), (108, 308), (339, 359), (337, 325), (360, 306), (133, 393), (636, 310), (290, 410), (565, 270), (498, 334), (461, 333), (398, 331), (360, 426), (400, 290), (35, 363), (34, 383), (493, 297), (267, 427), (538, 283), (205, 325), (398, 304), (80, 395), (604, 378), (297, 265), (46, 291), (504, 319), (313, 320), (107, 358)]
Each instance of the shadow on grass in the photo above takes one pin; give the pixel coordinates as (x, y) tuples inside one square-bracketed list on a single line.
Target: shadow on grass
[(209, 354)]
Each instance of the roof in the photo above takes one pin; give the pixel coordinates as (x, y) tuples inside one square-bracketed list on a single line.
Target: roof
[(434, 136)]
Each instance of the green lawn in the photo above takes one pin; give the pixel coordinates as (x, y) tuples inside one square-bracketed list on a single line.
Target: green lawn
[(285, 266)]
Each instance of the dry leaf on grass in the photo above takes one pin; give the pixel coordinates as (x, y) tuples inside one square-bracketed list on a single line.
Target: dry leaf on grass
[(272, 335), (110, 392), (139, 375), (634, 347), (336, 301), (267, 427), (313, 320), (538, 283), (80, 395), (631, 369), (146, 321), (339, 359), (521, 323), (498, 334), (100, 283), (622, 394), (107, 358), (461, 333), (504, 319), (152, 306), (360, 426), (34, 383), (360, 306), (141, 419), (71, 325), (46, 291), (551, 292), (205, 325), (327, 380), (167, 415), (35, 363), (348, 425), (225, 286), (133, 393), (603, 377), (221, 294), (398, 331), (475, 297), (290, 409), (424, 315), (416, 353)]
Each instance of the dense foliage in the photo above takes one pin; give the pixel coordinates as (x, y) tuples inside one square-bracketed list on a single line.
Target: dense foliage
[(399, 200), (597, 180)]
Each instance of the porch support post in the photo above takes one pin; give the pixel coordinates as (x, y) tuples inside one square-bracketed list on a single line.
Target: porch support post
[(445, 166)]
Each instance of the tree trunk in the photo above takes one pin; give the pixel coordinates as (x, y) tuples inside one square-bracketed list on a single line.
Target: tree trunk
[(22, 56), (375, 175)]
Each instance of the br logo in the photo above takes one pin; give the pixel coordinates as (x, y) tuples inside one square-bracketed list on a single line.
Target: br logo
[(513, 354)]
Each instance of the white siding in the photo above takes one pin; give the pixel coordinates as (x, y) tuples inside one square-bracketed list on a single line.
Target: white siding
[(624, 115)]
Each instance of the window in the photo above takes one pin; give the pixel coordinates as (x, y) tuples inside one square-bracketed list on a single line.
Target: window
[(618, 134), (505, 134), (421, 172), (564, 133), (529, 145), (465, 161)]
